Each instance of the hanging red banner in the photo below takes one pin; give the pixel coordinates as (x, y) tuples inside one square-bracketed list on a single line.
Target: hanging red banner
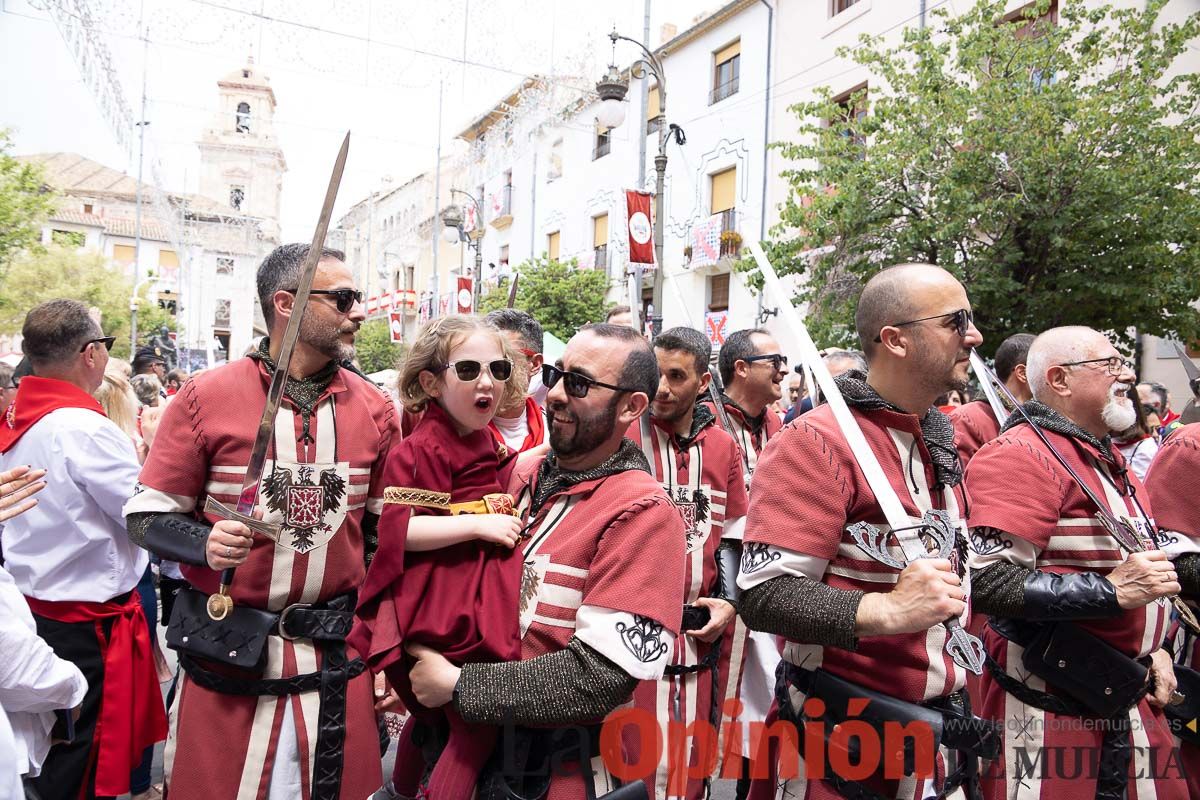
[(641, 232), (465, 296)]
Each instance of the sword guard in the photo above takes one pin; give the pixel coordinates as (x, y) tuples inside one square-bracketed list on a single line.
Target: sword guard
[(965, 650), (219, 509), (1186, 615), (1120, 531), (873, 542), (940, 530)]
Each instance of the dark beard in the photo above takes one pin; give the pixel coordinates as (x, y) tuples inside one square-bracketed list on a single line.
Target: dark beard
[(325, 339), (589, 434)]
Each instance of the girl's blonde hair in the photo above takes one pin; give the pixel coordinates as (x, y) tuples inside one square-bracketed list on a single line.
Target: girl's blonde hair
[(431, 351), (117, 399)]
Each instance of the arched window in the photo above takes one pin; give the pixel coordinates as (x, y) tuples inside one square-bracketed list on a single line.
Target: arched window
[(243, 118)]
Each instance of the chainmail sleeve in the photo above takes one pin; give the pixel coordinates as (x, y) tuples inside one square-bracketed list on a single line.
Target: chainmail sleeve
[(1005, 589), (802, 610), (370, 533), (571, 685), (1187, 567), (138, 523)]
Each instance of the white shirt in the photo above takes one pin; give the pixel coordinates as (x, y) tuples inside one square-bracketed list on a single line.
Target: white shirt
[(73, 544), (1140, 454), (33, 683)]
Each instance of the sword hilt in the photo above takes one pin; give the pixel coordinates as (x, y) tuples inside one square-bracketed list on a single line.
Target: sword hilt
[(966, 650)]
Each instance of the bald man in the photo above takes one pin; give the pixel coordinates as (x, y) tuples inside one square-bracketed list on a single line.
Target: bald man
[(1073, 612), (856, 628)]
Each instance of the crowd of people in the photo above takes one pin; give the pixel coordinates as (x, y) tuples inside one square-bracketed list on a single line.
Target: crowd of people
[(644, 567)]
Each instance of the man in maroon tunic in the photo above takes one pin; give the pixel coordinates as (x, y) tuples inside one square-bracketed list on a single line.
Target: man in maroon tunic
[(700, 467), (1048, 572), (603, 583), (304, 727), (975, 423), (1174, 484), (752, 369), (848, 618)]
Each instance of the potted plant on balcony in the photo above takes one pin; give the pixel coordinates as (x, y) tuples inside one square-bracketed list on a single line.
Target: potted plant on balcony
[(731, 243)]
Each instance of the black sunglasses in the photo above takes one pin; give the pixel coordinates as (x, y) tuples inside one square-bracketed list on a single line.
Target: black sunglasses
[(778, 360), (344, 298), (962, 322), (107, 341), (575, 384), (468, 370)]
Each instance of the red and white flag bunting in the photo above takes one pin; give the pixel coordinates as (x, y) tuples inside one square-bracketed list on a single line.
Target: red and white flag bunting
[(706, 242)]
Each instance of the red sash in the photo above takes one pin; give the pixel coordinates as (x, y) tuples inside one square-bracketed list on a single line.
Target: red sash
[(131, 709), (537, 426)]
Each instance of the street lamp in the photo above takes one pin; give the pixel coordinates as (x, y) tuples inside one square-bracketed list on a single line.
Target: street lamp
[(452, 232), (612, 89)]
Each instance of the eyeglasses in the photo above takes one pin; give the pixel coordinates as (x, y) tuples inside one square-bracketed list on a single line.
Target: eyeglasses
[(962, 322), (575, 384), (343, 298), (1113, 365), (778, 360), (107, 341), (469, 369)]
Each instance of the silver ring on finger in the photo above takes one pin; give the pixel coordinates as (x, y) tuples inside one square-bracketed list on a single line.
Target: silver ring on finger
[(229, 552)]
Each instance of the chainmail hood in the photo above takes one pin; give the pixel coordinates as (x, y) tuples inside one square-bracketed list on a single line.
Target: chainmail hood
[(936, 429), (552, 478), (1046, 417), (303, 392), (752, 424)]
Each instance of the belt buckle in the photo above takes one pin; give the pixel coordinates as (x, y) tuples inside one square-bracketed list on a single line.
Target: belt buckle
[(283, 615)]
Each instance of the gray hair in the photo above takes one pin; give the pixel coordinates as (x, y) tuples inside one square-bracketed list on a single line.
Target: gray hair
[(281, 271), (1057, 346), (146, 387), (860, 361)]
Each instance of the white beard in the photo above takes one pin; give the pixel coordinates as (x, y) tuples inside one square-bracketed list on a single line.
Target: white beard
[(1117, 415)]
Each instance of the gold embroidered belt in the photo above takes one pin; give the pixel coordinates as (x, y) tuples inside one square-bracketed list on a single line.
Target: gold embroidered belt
[(424, 498)]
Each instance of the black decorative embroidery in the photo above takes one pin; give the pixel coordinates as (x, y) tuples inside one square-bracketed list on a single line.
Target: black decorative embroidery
[(988, 541), (756, 555), (303, 503), (1163, 538), (643, 638), (693, 509)]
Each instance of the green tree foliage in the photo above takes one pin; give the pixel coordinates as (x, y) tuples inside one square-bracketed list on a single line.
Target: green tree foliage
[(375, 349), (1054, 169), (24, 203), (34, 277), (558, 294)]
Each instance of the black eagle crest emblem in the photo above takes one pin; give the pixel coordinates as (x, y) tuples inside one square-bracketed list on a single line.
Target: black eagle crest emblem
[(303, 502)]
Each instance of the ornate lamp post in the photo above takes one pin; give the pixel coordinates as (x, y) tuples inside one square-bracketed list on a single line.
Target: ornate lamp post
[(452, 232), (612, 89)]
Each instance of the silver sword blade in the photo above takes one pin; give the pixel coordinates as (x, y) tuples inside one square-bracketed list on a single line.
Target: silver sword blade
[(248, 497)]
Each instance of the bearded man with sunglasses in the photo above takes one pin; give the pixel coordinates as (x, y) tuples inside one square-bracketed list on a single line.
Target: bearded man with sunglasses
[(860, 630), (282, 730), (71, 558), (1078, 610), (602, 587)]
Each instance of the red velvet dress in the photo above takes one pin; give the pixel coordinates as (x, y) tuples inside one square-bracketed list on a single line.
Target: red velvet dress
[(461, 601)]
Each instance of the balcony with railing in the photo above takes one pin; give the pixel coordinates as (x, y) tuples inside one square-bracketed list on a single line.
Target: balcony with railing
[(723, 90), (731, 240), (600, 261)]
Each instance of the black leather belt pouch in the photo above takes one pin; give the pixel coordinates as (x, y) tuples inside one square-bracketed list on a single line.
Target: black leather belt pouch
[(1183, 717), (1085, 668), (239, 640), (838, 694)]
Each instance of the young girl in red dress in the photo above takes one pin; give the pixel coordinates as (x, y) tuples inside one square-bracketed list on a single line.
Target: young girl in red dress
[(447, 572)]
